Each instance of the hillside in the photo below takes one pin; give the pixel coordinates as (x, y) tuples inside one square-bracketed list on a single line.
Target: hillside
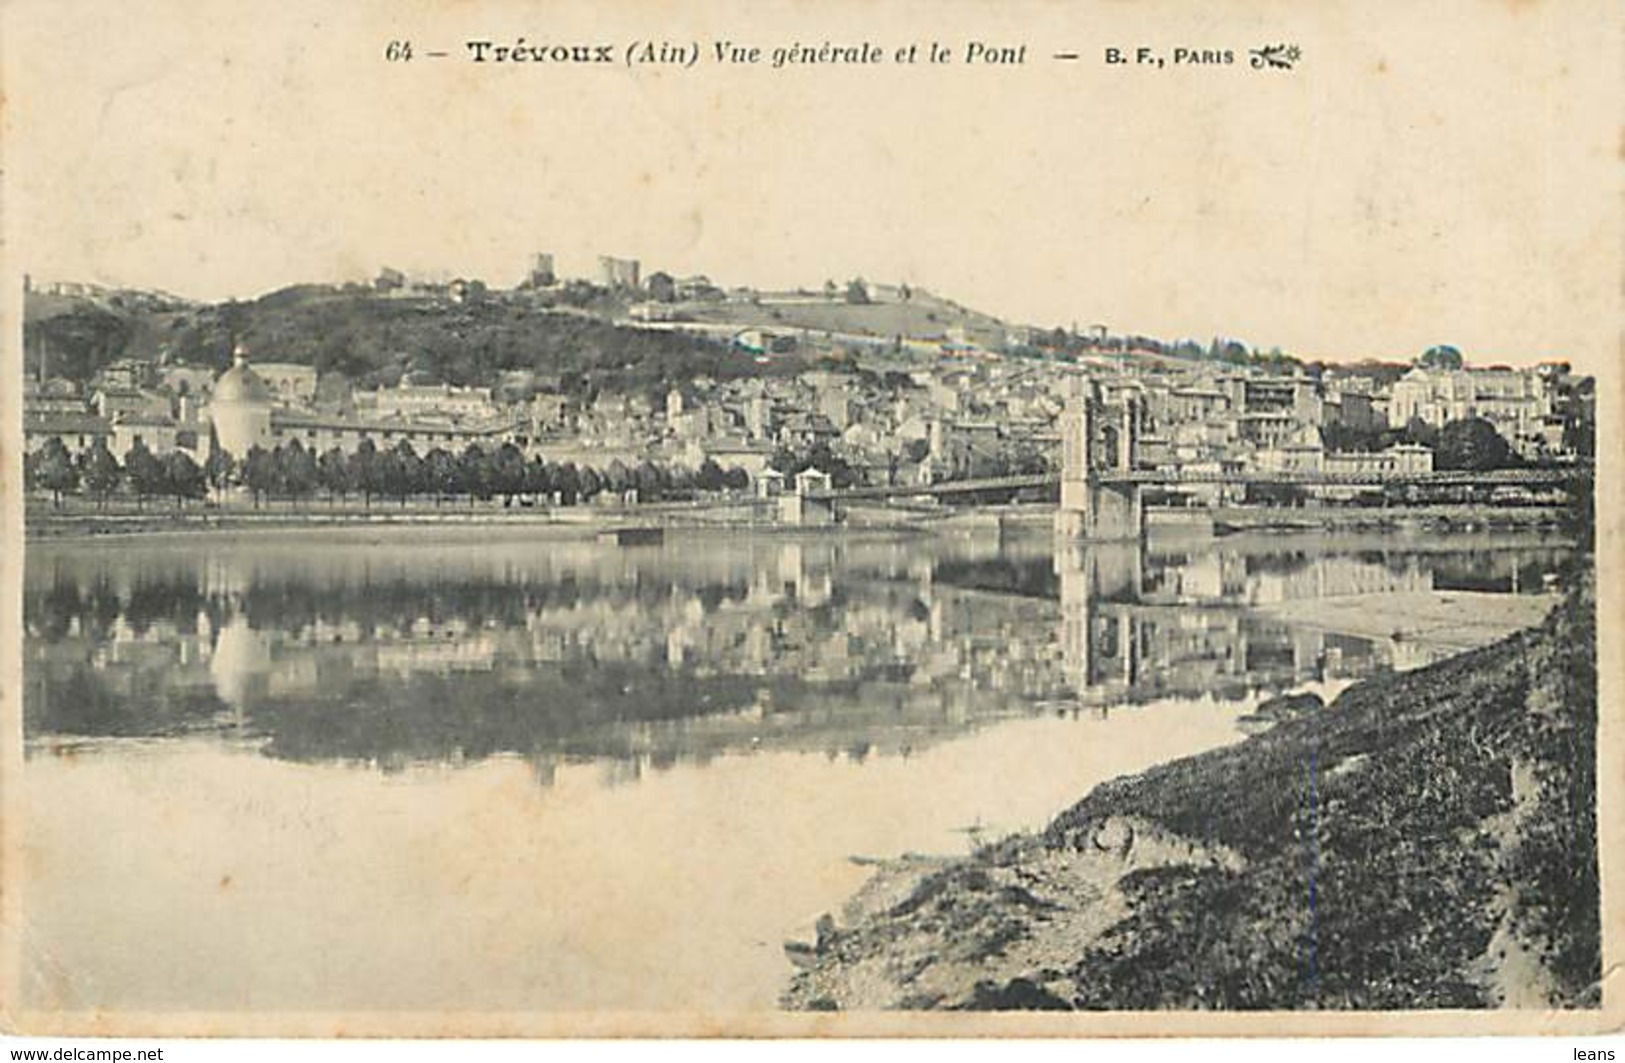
[(923, 316), (374, 340), (578, 335), (1427, 841)]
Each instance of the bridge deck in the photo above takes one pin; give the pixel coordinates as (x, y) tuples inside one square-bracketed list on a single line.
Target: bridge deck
[(1164, 478)]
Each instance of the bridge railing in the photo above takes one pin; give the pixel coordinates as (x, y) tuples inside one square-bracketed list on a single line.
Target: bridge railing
[(1543, 477)]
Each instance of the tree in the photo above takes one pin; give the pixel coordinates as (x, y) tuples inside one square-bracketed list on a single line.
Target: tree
[(508, 471), (1343, 438), (788, 461), (260, 474), (590, 483), (365, 470), (650, 480), (1472, 444), (857, 292), (710, 476), (1421, 433), (679, 481), (1441, 356), (477, 472), (219, 467), (820, 457), (662, 288), (440, 473), (335, 474), (402, 471), (736, 478), (54, 470), (567, 481), (539, 477), (145, 472), (101, 472), (183, 477), (578, 293), (296, 468)]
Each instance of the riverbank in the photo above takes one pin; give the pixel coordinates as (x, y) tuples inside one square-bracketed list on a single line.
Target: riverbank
[(580, 520), (80, 519), (754, 516), (1427, 841)]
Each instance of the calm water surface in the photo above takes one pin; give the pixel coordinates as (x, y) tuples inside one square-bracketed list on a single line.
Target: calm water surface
[(493, 771)]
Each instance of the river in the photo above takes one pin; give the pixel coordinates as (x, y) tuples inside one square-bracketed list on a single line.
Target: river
[(498, 770)]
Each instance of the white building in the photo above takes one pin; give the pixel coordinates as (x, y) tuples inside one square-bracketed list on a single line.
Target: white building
[(290, 384), (430, 400), (240, 409)]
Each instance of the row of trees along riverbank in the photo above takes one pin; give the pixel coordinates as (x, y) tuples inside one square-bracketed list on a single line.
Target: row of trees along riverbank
[(291, 471)]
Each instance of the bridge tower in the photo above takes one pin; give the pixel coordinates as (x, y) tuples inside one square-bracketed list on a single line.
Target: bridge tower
[(808, 501), (1098, 444), (1102, 656)]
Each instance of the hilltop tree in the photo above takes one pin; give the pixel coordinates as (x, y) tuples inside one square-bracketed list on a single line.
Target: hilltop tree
[(1441, 356), (662, 287), (578, 292)]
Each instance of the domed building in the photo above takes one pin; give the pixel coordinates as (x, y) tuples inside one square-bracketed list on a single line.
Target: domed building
[(240, 409)]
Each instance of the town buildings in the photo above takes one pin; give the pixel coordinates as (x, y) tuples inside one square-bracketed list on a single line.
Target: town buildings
[(882, 409)]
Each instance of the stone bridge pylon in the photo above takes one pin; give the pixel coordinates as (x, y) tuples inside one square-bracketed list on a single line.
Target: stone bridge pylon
[(1098, 444)]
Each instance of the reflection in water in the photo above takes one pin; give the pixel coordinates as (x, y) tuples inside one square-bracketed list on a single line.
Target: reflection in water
[(853, 648), (731, 719)]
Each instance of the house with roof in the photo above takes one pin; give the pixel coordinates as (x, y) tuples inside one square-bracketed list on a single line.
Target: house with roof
[(113, 401), (1303, 451), (78, 432), (158, 433)]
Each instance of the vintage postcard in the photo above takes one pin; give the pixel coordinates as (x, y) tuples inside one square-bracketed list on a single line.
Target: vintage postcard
[(784, 519)]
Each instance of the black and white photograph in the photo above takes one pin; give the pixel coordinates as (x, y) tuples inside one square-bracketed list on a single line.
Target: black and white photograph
[(884, 519)]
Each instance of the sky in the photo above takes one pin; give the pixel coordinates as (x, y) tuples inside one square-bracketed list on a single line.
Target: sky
[(1414, 179)]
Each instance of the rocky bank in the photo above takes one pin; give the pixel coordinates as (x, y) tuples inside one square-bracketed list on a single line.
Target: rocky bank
[(1427, 841)]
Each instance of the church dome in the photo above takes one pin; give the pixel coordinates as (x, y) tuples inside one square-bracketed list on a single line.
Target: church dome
[(241, 384)]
